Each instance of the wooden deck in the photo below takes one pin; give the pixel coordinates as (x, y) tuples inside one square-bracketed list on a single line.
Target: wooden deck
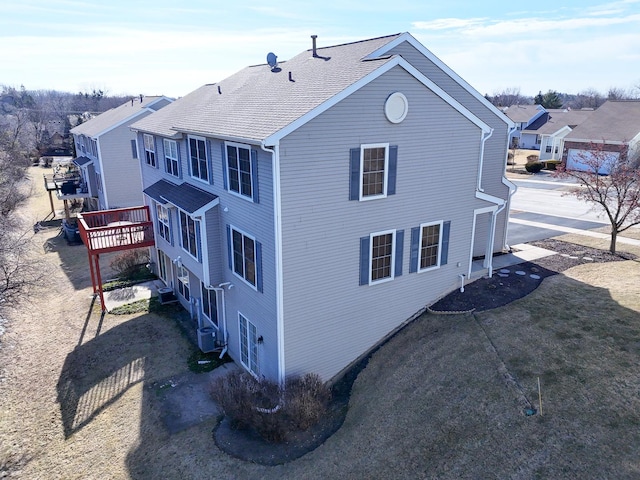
[(113, 230)]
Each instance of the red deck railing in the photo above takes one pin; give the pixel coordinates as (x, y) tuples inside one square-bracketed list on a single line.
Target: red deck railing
[(120, 229), (110, 231)]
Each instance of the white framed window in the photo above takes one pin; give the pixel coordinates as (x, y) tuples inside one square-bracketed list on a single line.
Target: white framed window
[(244, 256), (382, 256), (209, 304), (94, 148), (164, 222), (164, 267), (171, 157), (430, 245), (183, 282), (248, 344), (190, 230), (198, 158), (374, 170), (149, 150), (239, 171)]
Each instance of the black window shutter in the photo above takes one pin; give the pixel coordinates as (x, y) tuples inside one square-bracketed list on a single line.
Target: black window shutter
[(364, 261), (229, 248), (393, 167), (444, 252), (415, 249), (254, 176), (134, 149), (224, 166), (399, 250), (354, 175), (207, 148), (259, 266)]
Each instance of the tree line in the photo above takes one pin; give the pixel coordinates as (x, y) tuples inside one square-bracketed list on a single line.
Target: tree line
[(28, 119), (590, 98)]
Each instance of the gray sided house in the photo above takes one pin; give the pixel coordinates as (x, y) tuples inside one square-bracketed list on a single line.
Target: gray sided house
[(527, 118), (307, 210), (107, 158)]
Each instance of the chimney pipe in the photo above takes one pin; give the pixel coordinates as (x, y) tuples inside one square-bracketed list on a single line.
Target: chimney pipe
[(313, 40)]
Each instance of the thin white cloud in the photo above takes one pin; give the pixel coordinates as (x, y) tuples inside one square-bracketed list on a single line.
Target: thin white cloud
[(449, 23)]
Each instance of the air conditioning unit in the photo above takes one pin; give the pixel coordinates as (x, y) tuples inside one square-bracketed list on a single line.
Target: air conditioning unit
[(207, 339)]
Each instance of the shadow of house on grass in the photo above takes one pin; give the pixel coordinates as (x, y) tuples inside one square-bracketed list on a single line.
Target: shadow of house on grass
[(429, 394), (100, 370)]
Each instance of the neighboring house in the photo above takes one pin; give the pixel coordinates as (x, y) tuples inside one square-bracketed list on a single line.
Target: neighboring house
[(559, 124), (525, 117), (615, 125), (308, 210), (105, 149)]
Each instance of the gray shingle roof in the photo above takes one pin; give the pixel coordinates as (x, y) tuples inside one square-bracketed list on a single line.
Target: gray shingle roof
[(184, 196), (561, 118), (108, 119), (612, 121), (256, 102), (521, 113)]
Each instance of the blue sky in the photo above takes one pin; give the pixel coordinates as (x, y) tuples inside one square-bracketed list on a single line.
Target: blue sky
[(169, 47)]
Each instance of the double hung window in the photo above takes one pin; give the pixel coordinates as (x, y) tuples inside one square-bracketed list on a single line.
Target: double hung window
[(209, 305), (244, 256), (190, 231), (171, 157), (239, 170), (164, 222), (198, 158), (149, 150), (183, 282)]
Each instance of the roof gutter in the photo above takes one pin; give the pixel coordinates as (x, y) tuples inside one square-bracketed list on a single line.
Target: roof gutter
[(250, 141)]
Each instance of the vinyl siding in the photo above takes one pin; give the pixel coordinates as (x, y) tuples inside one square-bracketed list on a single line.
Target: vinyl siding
[(329, 319), (119, 169), (254, 219), (495, 148)]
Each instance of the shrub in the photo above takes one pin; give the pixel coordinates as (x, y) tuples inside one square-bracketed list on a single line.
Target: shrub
[(127, 262), (533, 167), (269, 410)]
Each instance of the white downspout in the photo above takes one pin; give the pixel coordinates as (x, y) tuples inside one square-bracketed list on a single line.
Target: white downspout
[(277, 220), (481, 163)]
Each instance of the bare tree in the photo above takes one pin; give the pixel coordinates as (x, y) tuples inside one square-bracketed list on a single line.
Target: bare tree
[(610, 183), (20, 273), (508, 97), (589, 98)]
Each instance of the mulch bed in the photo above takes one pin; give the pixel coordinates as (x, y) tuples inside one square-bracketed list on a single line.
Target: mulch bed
[(502, 288), (520, 280)]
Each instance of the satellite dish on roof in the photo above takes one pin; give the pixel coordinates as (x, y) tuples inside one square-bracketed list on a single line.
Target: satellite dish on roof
[(272, 60)]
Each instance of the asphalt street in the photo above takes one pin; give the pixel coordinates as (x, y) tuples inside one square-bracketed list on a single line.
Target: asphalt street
[(542, 209)]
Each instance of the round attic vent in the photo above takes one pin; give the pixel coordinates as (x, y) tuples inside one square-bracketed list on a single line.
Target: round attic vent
[(396, 107)]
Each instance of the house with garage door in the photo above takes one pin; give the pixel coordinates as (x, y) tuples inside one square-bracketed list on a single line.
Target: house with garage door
[(305, 210), (559, 124), (614, 126), (107, 154)]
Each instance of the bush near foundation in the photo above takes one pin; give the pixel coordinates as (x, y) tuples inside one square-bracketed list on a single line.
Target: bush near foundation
[(271, 411), (533, 167)]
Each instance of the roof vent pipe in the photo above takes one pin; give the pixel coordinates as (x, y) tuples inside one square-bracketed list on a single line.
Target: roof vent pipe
[(313, 40)]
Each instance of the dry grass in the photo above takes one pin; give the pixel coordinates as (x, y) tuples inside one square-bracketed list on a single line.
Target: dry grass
[(443, 399)]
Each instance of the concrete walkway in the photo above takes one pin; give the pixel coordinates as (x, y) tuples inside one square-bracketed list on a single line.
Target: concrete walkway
[(127, 295)]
